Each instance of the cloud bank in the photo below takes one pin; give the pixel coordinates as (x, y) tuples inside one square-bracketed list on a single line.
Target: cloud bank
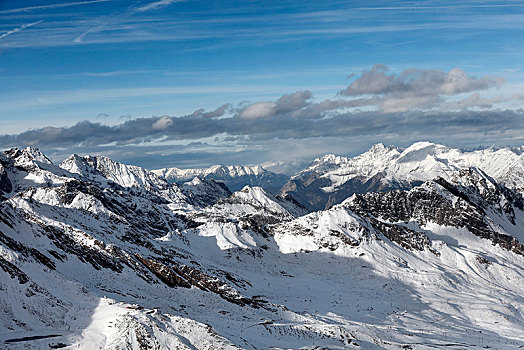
[(376, 106)]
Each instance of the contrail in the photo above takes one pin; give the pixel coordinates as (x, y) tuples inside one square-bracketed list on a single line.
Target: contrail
[(130, 11), (16, 30), (156, 4), (44, 7)]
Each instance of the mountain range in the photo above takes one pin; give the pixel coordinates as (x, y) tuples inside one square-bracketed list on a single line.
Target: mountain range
[(235, 177), (410, 248), (330, 179)]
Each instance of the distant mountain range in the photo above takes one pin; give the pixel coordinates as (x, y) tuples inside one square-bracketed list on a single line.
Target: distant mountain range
[(234, 177), (331, 179), (410, 248)]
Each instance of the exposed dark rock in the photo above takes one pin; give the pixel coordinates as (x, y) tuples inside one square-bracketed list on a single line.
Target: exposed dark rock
[(257, 223), (176, 275), (13, 271), (5, 183), (482, 260), (98, 258), (292, 200), (425, 204), (164, 272), (401, 235), (205, 192)]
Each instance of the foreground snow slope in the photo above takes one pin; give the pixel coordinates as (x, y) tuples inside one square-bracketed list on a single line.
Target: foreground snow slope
[(109, 257), (330, 179)]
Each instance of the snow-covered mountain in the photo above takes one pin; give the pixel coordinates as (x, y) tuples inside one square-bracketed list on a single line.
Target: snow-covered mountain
[(330, 179), (98, 254), (235, 177)]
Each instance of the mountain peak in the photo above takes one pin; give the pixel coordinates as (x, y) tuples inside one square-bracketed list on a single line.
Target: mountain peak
[(27, 154), (195, 182), (254, 199), (424, 145), (419, 151), (378, 147), (101, 169), (329, 160), (379, 152)]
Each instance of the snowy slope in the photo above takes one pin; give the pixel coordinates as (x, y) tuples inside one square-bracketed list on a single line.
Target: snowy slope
[(331, 179), (99, 257)]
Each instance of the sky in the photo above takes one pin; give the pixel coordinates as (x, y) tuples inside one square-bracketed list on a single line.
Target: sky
[(162, 83)]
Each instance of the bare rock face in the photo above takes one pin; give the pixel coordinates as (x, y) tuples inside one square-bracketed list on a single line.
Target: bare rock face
[(405, 237), (461, 202), (204, 192), (5, 183), (175, 275)]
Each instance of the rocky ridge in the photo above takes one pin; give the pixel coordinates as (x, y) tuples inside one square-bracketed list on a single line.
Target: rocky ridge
[(330, 179)]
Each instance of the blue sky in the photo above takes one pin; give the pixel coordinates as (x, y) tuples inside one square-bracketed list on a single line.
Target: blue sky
[(118, 67)]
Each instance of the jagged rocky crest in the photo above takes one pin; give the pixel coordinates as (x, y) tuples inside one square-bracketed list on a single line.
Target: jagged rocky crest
[(462, 202)]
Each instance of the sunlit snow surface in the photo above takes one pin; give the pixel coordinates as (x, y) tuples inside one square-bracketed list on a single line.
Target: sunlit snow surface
[(325, 279)]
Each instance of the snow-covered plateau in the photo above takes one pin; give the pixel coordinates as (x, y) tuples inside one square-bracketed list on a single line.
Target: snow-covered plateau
[(416, 248)]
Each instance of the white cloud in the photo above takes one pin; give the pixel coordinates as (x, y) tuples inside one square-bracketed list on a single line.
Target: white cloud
[(477, 101), (258, 110), (416, 88), (162, 123), (285, 104), (417, 82)]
